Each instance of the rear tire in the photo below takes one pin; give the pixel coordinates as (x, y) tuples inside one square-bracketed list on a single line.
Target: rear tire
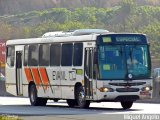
[(34, 100), (80, 97), (43, 101), (71, 102), (127, 104)]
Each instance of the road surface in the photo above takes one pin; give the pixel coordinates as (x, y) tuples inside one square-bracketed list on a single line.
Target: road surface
[(60, 111)]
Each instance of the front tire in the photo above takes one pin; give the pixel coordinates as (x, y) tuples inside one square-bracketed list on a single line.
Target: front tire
[(127, 104), (34, 100), (55, 100), (80, 97)]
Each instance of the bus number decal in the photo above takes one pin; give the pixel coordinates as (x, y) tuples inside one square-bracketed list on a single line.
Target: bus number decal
[(72, 75)]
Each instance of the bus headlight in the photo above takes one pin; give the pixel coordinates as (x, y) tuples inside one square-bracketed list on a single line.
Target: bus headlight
[(147, 88), (105, 89)]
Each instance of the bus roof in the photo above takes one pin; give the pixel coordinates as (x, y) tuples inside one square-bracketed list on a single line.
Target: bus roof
[(52, 39), (78, 36), (77, 32), (60, 36)]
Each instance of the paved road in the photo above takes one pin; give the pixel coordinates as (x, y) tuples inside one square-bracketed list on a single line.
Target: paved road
[(60, 111)]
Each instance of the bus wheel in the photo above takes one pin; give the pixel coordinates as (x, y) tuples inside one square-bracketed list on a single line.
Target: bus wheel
[(127, 104), (43, 101), (71, 103), (80, 97), (55, 100), (34, 100)]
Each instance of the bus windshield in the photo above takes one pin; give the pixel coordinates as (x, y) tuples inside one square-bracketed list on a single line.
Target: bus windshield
[(123, 62)]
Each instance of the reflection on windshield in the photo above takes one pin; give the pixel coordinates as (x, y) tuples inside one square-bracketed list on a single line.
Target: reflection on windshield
[(137, 60), (117, 61), (111, 62)]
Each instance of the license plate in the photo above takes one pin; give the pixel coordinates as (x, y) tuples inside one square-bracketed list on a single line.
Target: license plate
[(145, 93)]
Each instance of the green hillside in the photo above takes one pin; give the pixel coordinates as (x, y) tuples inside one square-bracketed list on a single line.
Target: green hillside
[(8, 7)]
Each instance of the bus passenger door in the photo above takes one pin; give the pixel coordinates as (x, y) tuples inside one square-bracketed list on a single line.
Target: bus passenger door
[(88, 73), (19, 72)]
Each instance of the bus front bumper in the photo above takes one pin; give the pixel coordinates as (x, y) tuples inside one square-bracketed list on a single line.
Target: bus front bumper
[(124, 96)]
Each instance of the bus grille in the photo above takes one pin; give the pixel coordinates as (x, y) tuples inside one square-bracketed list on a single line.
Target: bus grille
[(127, 89), (128, 84)]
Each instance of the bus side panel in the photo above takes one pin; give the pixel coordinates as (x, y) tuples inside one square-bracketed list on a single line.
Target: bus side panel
[(48, 86), (38, 75), (71, 77), (67, 82), (11, 80), (50, 79), (54, 88), (25, 83)]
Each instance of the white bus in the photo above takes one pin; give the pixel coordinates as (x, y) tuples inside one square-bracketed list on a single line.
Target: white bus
[(83, 67)]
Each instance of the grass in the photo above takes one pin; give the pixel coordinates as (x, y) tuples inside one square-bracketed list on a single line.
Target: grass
[(9, 117)]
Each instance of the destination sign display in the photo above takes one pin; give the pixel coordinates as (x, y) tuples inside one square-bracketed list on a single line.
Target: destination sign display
[(122, 39), (128, 39)]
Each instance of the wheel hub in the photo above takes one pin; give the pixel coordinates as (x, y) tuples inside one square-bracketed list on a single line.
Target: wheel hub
[(81, 97), (32, 96)]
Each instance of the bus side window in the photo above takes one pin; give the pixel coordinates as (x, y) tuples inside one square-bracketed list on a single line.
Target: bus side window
[(33, 55), (55, 54), (44, 55), (67, 52), (78, 54), (25, 55), (10, 55)]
